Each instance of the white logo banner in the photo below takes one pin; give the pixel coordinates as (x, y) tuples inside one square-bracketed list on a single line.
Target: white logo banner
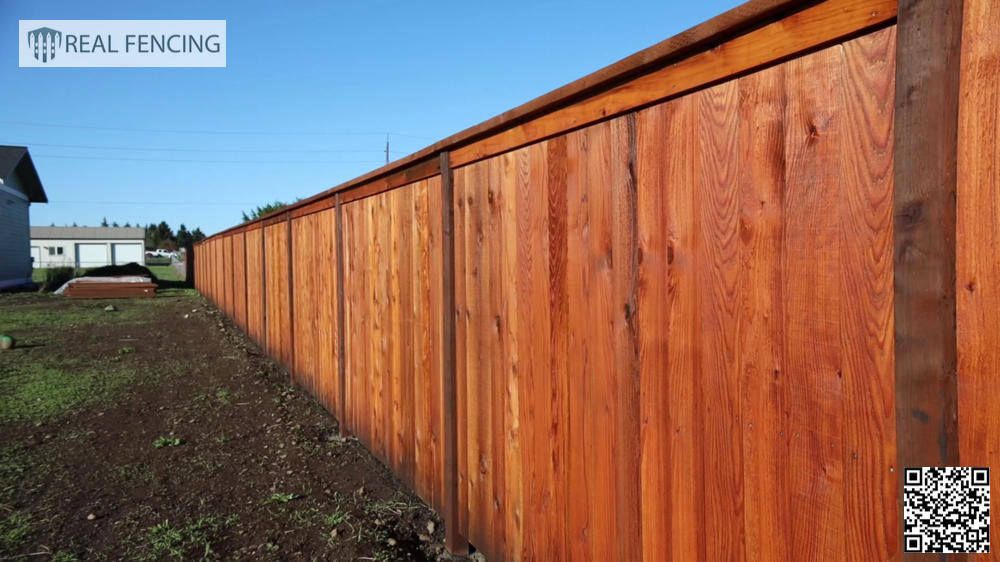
[(121, 43)]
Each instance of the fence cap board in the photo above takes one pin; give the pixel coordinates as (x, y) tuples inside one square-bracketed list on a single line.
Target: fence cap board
[(701, 37)]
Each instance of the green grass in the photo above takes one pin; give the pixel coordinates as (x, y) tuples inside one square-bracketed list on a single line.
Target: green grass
[(35, 392), (165, 273)]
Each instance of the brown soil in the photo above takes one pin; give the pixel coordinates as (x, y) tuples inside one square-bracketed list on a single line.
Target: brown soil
[(259, 472)]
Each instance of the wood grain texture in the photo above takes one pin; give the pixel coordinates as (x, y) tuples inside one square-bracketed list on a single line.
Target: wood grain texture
[(813, 305), (393, 331), (866, 279), (978, 240)]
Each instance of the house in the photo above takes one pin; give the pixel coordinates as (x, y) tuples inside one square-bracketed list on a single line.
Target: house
[(87, 246), (19, 188)]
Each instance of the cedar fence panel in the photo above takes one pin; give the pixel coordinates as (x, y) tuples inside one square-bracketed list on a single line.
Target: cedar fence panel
[(691, 292)]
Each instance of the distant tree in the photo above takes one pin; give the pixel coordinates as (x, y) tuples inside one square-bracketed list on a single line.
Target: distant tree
[(197, 235), (53, 224), (74, 223), (114, 224), (104, 221), (128, 225), (263, 210), (183, 236)]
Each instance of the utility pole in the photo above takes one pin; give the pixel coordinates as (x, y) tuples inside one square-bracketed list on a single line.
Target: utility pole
[(387, 148)]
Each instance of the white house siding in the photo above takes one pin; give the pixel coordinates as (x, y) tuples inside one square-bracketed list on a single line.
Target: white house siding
[(15, 258), (87, 253)]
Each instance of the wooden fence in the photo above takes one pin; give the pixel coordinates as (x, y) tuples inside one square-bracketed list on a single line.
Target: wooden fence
[(702, 304)]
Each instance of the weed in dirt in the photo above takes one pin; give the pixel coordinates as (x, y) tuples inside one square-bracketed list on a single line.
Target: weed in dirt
[(279, 497), (14, 530), (270, 547), (162, 442), (133, 473), (193, 540), (126, 350)]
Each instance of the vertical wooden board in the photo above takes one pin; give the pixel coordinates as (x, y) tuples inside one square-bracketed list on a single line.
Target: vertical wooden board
[(423, 376), (477, 390), (580, 482), (227, 275), (978, 237), (325, 300), (760, 111), (512, 167), (353, 288), (721, 285), (303, 301), (433, 347), (866, 278), (385, 227), (532, 339), (557, 222), (426, 304), (672, 471), (399, 273), (239, 281), (812, 306), (625, 260), (495, 348), (595, 333), (462, 202), (253, 282)]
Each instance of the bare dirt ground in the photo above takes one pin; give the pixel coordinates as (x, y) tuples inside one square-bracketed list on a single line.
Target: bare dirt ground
[(157, 431)]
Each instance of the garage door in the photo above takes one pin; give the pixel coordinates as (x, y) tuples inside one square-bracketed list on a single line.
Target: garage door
[(127, 253), (91, 255)]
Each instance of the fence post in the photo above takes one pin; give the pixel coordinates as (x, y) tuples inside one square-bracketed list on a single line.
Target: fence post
[(454, 541), (928, 48), (291, 299), (341, 341), (189, 274)]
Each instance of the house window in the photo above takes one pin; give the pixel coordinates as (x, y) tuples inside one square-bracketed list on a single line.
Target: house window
[(55, 251)]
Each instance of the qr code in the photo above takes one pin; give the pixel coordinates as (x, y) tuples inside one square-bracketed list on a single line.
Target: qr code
[(946, 509)]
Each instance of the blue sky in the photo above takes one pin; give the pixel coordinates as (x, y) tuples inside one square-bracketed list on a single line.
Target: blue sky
[(309, 93)]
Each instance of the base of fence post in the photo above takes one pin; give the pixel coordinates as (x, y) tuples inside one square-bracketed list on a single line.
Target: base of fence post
[(454, 542)]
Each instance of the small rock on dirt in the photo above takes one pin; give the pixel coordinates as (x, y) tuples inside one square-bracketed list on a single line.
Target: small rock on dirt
[(430, 527), (391, 542), (110, 308), (91, 517)]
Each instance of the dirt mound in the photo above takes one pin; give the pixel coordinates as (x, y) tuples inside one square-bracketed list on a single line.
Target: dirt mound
[(127, 269)]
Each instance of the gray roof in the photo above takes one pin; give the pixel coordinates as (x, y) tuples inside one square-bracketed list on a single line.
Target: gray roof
[(87, 233), (16, 159)]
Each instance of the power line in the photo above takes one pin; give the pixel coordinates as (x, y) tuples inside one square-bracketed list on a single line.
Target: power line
[(233, 150), (188, 160), (210, 132), (204, 203)]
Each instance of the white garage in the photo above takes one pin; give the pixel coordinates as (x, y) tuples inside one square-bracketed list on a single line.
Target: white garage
[(91, 255), (87, 246), (122, 254)]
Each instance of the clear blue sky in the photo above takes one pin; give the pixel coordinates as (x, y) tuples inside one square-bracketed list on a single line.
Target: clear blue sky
[(311, 88)]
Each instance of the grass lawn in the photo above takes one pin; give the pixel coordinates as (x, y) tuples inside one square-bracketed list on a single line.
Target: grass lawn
[(157, 431)]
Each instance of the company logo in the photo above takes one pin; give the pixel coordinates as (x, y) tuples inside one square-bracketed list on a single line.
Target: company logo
[(43, 43), (121, 43)]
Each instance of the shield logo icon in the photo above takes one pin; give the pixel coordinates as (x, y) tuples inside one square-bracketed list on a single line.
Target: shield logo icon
[(43, 43)]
